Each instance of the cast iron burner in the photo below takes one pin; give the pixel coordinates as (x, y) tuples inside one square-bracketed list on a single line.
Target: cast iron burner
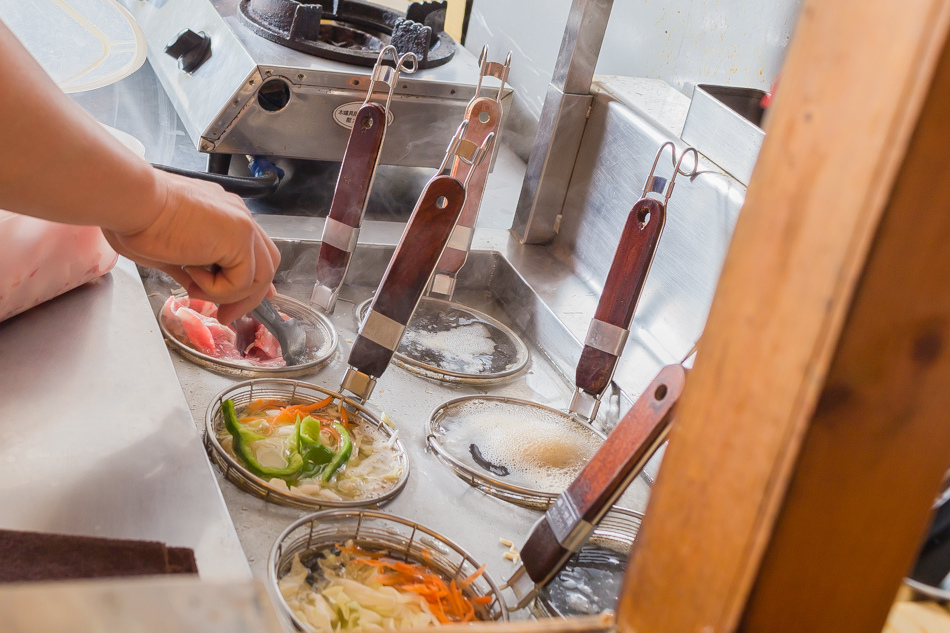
[(350, 31)]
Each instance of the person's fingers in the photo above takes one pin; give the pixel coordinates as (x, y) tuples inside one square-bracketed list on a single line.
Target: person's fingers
[(228, 312), (176, 273)]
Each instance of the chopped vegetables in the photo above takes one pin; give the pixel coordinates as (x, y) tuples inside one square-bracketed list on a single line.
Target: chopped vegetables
[(359, 589), (512, 553), (314, 449)]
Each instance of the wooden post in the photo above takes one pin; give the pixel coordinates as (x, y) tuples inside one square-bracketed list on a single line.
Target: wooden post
[(815, 427)]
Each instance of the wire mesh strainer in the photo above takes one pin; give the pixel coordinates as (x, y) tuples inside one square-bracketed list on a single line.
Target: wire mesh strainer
[(293, 392), (450, 342), (397, 537), (321, 343), (608, 550)]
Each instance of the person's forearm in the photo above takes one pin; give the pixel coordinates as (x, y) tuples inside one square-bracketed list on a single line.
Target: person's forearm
[(57, 163)]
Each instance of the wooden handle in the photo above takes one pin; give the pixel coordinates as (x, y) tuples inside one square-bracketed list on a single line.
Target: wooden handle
[(477, 131), (408, 273), (352, 189), (623, 454), (625, 281)]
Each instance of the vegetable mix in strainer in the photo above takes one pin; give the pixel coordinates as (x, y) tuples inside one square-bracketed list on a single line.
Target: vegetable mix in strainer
[(350, 588), (317, 450)]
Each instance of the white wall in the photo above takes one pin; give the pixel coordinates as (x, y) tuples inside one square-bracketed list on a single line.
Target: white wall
[(683, 42)]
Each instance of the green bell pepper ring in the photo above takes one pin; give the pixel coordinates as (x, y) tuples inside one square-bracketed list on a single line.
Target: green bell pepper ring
[(241, 440), (315, 453), (341, 456)]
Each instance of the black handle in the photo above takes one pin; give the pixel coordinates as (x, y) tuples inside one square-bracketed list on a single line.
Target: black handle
[(246, 187)]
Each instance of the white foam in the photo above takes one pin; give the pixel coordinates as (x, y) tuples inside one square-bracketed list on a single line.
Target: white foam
[(459, 346), (542, 450)]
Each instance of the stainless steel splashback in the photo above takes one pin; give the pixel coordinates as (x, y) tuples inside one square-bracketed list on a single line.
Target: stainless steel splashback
[(218, 103), (629, 120)]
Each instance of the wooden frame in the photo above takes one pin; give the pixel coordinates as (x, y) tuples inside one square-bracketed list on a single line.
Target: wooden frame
[(813, 431)]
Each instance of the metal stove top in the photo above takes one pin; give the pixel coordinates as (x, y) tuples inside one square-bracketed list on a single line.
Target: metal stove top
[(221, 106)]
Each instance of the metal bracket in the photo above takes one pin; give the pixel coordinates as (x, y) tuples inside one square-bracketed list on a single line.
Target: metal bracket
[(340, 235), (382, 330), (584, 404), (359, 384)]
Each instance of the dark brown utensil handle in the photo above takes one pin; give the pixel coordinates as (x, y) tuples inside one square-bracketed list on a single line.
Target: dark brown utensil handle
[(409, 270), (352, 189), (604, 478), (477, 131), (622, 290)]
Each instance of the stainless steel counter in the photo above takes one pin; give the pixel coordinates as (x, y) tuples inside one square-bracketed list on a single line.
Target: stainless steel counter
[(95, 433)]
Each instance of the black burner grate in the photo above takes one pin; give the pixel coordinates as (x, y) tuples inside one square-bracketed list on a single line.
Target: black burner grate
[(350, 31)]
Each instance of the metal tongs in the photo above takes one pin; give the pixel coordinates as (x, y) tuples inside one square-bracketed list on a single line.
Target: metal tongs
[(405, 279), (360, 160)]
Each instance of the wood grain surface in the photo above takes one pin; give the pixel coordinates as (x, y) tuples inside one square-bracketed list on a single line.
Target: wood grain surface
[(353, 187), (741, 477), (411, 266), (622, 289)]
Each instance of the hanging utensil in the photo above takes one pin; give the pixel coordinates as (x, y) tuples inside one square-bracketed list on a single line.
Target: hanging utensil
[(446, 340), (527, 453), (360, 161), (483, 115), (405, 279)]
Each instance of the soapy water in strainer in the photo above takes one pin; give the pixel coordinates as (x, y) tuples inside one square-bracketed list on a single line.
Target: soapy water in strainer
[(450, 342)]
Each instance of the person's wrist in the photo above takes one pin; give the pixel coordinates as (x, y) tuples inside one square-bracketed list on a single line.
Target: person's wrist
[(153, 191)]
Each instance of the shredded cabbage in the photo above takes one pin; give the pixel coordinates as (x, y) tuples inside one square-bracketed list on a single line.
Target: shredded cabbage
[(346, 596)]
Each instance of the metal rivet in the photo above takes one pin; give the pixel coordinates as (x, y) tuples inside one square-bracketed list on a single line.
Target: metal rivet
[(441, 202)]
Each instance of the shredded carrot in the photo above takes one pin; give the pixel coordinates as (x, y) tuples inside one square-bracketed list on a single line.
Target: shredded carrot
[(447, 602), (262, 405), (473, 577), (313, 407)]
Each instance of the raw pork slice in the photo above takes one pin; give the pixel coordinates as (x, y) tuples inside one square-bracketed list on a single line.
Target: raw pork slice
[(194, 322)]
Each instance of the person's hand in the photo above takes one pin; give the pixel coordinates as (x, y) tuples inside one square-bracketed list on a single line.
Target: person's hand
[(207, 241)]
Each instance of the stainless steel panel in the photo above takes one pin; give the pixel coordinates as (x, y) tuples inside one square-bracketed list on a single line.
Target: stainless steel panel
[(487, 283), (561, 125), (95, 436), (142, 605), (720, 133), (218, 102), (202, 96), (420, 129), (538, 215), (614, 159)]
